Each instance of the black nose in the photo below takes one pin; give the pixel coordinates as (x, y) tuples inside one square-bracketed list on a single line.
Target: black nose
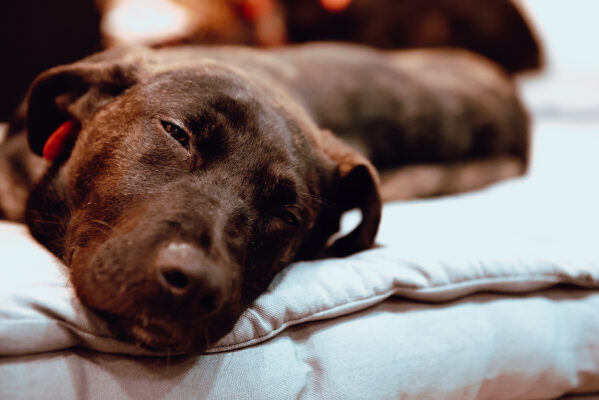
[(185, 273)]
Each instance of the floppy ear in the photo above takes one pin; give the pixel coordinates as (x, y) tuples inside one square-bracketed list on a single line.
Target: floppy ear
[(73, 94), (355, 185)]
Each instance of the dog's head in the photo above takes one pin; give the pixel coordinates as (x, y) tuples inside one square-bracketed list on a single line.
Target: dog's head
[(182, 188)]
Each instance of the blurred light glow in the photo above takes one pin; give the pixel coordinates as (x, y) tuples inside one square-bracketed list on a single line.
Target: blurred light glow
[(146, 21), (334, 5)]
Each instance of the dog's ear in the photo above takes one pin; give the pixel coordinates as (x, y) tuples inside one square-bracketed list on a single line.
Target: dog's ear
[(355, 185), (73, 93)]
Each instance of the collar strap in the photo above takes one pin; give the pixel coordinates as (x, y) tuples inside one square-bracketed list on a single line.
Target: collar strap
[(62, 137)]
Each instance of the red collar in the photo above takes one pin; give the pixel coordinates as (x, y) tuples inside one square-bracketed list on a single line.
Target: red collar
[(62, 137)]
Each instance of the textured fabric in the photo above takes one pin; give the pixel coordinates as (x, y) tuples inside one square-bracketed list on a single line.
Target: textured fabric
[(519, 236), (484, 346)]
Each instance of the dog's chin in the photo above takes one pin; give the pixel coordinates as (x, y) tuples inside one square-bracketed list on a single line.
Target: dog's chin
[(158, 337), (162, 337)]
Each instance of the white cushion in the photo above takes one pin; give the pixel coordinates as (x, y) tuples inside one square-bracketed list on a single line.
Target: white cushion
[(518, 236)]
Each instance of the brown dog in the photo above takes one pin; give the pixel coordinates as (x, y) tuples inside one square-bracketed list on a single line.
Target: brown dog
[(184, 179)]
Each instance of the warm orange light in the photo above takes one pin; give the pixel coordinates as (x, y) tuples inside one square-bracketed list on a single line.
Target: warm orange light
[(254, 10), (335, 5)]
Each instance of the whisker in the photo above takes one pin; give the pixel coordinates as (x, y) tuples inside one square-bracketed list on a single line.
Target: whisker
[(315, 198), (207, 337), (45, 221), (168, 355), (104, 224)]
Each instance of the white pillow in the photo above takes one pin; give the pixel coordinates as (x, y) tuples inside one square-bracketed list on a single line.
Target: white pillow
[(518, 236)]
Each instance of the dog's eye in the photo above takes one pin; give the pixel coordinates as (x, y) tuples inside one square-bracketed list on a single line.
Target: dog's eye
[(290, 215), (176, 133)]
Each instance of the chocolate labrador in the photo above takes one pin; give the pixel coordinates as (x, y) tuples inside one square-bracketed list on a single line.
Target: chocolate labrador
[(181, 180)]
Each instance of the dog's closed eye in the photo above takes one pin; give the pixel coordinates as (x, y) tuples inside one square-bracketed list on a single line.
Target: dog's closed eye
[(290, 215), (282, 220), (176, 133), (279, 201)]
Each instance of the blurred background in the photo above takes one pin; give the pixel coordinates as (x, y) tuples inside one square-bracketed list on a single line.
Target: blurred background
[(524, 36)]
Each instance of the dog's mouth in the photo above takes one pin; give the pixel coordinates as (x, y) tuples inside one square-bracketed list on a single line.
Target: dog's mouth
[(162, 336), (154, 336), (170, 334)]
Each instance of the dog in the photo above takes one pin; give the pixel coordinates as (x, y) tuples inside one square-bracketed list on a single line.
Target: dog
[(180, 181), (497, 29)]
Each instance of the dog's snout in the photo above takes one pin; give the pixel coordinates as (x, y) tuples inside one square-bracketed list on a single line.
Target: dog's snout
[(184, 272)]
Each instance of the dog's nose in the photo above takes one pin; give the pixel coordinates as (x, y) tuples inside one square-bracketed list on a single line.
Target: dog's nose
[(184, 271)]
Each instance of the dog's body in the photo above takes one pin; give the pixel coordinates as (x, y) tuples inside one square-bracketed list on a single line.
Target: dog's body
[(199, 173)]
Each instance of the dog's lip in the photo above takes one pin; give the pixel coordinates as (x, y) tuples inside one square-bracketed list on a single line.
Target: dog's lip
[(153, 336), (160, 335), (154, 328)]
